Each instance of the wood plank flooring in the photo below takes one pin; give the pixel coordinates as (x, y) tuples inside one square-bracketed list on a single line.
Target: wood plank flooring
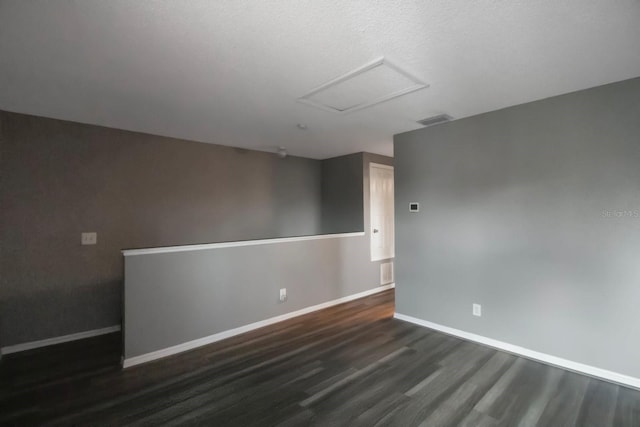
[(348, 365)]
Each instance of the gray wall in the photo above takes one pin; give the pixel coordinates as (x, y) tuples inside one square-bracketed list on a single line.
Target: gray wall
[(342, 194), (59, 179), (174, 298), (533, 212)]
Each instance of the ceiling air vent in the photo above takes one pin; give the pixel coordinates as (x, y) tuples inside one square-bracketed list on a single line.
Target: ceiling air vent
[(364, 87), (435, 120)]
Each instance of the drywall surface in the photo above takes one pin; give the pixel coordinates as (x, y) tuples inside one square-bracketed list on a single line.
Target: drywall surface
[(534, 213), (342, 194), (60, 179), (173, 298)]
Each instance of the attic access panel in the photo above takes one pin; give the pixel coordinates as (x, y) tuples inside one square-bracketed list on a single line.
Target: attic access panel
[(364, 87)]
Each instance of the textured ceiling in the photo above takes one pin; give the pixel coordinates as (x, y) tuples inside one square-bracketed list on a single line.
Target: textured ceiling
[(229, 72)]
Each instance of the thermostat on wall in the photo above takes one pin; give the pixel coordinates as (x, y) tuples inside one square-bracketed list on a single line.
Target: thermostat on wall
[(414, 207)]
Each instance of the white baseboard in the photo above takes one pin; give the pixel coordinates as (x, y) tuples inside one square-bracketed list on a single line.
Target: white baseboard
[(136, 360), (58, 340), (529, 354)]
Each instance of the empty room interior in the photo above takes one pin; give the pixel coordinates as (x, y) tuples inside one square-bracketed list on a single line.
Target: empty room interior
[(320, 213)]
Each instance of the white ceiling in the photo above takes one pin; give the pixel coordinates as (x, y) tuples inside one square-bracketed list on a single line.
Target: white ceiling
[(229, 71)]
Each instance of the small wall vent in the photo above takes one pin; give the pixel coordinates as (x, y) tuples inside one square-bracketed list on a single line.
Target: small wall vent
[(386, 273), (435, 120)]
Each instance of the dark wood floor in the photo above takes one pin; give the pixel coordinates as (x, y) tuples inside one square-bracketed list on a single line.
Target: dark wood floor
[(347, 365)]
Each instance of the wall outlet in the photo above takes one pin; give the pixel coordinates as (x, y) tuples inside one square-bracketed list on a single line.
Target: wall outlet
[(89, 238), (283, 294), (477, 310)]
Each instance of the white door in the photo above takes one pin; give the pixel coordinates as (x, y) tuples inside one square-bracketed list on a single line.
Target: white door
[(381, 191)]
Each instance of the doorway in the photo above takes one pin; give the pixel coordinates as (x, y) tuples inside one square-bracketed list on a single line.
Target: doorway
[(381, 212)]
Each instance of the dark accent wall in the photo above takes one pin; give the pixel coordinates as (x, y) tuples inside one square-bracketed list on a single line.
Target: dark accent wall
[(345, 192), (342, 194), (534, 212), (59, 179)]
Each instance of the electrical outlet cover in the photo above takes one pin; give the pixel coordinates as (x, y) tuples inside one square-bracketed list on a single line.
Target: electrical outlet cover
[(89, 238), (477, 310)]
